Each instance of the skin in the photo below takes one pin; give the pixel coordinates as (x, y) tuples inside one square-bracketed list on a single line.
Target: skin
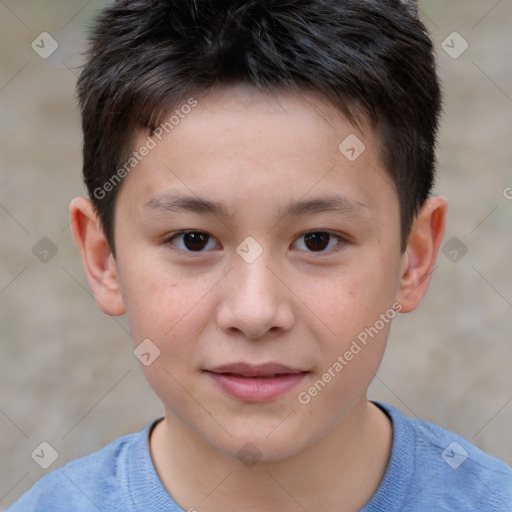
[(255, 154)]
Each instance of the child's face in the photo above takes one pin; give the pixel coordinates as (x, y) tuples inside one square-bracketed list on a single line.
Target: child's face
[(254, 158)]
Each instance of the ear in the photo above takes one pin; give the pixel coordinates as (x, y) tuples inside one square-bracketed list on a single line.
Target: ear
[(100, 266), (420, 256)]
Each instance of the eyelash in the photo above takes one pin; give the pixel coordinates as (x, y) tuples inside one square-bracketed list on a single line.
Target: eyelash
[(341, 240)]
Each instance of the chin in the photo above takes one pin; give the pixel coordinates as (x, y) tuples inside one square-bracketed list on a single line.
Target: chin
[(258, 445)]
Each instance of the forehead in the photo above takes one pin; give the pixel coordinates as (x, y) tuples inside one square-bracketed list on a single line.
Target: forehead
[(237, 144)]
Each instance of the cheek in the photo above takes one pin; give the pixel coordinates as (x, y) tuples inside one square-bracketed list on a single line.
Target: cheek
[(351, 299), (356, 313), (349, 366), (148, 286), (162, 309), (162, 303)]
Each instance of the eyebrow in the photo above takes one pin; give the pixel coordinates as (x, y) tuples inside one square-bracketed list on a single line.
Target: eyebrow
[(330, 204), (174, 203)]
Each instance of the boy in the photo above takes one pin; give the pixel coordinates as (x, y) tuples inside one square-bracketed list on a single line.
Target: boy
[(260, 329)]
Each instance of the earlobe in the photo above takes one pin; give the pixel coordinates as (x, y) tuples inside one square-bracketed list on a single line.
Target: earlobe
[(419, 259), (100, 266)]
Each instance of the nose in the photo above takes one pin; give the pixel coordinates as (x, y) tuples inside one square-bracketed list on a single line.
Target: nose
[(255, 301)]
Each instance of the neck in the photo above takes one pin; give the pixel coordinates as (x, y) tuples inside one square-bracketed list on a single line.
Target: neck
[(341, 471)]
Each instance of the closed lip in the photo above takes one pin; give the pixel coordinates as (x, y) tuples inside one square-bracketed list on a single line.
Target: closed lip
[(243, 369)]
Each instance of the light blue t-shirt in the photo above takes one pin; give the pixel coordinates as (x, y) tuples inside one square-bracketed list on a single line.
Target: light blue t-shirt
[(430, 470)]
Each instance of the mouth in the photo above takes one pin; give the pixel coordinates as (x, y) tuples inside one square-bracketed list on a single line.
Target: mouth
[(256, 383)]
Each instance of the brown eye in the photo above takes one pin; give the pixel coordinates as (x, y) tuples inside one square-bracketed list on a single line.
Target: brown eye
[(317, 241), (193, 241)]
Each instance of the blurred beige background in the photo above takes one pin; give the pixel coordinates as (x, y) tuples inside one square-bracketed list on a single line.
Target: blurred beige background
[(68, 375)]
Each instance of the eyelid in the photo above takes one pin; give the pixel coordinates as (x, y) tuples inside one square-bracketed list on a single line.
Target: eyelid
[(342, 240), (168, 240)]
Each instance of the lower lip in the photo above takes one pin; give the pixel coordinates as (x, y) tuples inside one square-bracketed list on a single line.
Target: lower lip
[(257, 389)]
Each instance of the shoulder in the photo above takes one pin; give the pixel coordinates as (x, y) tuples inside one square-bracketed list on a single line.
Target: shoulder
[(447, 471), (95, 482)]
